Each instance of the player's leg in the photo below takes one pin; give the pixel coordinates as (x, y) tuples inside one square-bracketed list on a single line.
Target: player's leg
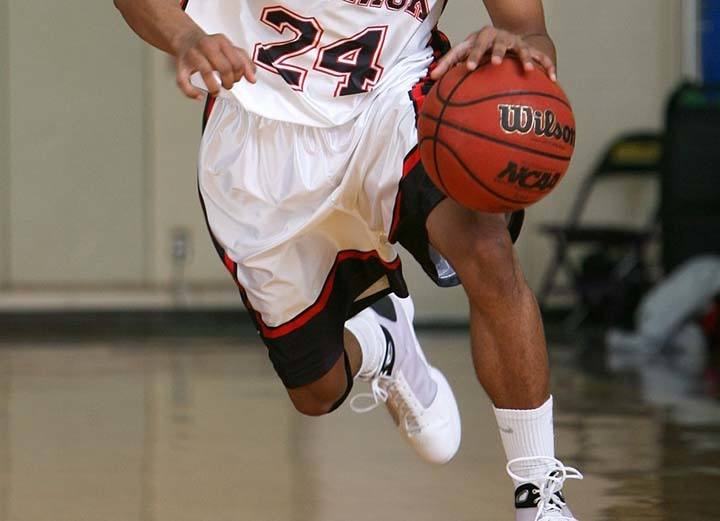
[(381, 348), (417, 395), (366, 353), (509, 351), (322, 258), (378, 346), (508, 344)]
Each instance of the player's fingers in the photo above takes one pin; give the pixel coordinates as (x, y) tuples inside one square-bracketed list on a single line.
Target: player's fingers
[(547, 63), (498, 53), (453, 56), (202, 65), (182, 79), (232, 54), (210, 51), (444, 65), (241, 64), (477, 53), (523, 52), (195, 60), (220, 63), (211, 82), (480, 46), (249, 67), (456, 54), (499, 48)]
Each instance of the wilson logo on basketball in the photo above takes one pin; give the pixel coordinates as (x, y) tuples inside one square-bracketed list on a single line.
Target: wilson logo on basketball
[(529, 179), (523, 119)]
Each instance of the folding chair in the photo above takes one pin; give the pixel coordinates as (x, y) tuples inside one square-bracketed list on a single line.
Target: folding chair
[(630, 156)]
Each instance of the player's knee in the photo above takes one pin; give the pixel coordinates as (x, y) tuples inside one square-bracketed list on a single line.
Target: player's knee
[(491, 271), (311, 406), (318, 398)]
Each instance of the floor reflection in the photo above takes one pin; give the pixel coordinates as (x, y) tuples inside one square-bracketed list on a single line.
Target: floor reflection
[(201, 430)]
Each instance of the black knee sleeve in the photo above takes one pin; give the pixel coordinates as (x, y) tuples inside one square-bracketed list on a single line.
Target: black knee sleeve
[(349, 376)]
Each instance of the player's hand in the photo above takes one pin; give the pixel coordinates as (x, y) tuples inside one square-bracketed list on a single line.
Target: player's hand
[(205, 53), (498, 42)]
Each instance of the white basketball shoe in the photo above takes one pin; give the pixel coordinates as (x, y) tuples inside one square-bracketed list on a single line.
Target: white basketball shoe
[(542, 499), (416, 394)]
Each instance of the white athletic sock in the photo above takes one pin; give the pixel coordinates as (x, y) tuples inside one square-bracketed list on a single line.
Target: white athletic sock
[(372, 342), (528, 433)]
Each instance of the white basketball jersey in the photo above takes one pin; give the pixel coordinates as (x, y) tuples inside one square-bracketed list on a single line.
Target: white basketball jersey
[(322, 62)]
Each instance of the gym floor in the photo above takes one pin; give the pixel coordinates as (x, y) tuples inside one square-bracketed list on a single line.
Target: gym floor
[(200, 430)]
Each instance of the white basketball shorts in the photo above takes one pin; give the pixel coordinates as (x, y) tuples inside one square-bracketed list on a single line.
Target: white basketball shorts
[(305, 219)]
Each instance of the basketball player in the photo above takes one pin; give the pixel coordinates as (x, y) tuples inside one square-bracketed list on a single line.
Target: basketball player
[(309, 173)]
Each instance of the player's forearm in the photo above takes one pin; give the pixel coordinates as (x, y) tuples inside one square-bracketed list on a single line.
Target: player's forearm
[(161, 23)]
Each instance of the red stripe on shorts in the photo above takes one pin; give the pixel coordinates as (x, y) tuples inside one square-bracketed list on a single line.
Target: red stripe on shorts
[(230, 265), (320, 303)]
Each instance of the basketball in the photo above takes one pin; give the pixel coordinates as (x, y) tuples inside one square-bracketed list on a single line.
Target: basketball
[(496, 139)]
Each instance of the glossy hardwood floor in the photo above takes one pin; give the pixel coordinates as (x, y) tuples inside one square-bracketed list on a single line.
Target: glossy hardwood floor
[(201, 430)]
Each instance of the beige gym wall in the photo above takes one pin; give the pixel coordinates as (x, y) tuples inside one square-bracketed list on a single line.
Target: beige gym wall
[(76, 148), (4, 147), (101, 147)]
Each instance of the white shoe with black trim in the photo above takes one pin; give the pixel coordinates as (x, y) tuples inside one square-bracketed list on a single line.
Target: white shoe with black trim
[(416, 394), (542, 500)]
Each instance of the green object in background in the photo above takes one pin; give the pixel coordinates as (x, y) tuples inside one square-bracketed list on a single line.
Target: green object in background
[(696, 98)]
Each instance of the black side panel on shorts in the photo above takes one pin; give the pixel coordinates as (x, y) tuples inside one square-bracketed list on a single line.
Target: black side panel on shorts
[(306, 353), (418, 197)]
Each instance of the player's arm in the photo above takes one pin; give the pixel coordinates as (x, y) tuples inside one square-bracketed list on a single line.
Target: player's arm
[(518, 26), (163, 24)]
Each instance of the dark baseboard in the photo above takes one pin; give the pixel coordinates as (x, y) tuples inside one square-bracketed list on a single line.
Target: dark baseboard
[(141, 324), (136, 324)]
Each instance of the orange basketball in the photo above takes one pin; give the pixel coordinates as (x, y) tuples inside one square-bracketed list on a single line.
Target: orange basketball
[(496, 139)]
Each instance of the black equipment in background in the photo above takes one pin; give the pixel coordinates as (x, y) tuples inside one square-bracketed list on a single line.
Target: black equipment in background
[(690, 175)]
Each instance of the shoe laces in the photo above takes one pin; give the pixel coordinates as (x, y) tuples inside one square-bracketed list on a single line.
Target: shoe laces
[(387, 389), (549, 504)]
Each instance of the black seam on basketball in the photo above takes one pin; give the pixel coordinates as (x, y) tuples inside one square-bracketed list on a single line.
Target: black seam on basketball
[(446, 101), (507, 94), (437, 126), (443, 186), (483, 62), (475, 133), (477, 179)]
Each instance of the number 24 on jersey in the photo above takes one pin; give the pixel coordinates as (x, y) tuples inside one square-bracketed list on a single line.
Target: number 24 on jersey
[(354, 60)]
